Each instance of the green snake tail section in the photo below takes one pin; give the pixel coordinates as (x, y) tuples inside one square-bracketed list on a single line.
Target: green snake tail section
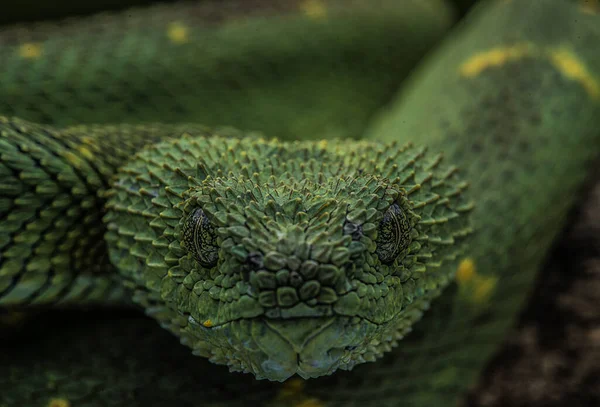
[(288, 68), (52, 187)]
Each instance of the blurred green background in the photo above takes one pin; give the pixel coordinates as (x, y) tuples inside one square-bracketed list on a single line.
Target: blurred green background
[(36, 10)]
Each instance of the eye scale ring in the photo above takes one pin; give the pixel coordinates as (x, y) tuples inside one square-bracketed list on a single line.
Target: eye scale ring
[(200, 239), (394, 234)]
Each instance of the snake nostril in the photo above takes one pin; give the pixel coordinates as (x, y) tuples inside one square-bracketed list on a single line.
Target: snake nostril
[(255, 261), (353, 229)]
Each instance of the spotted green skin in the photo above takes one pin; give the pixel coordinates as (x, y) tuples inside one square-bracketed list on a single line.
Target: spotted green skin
[(522, 132)]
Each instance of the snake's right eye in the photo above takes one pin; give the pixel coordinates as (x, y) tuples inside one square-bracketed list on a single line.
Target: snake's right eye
[(200, 238), (394, 234)]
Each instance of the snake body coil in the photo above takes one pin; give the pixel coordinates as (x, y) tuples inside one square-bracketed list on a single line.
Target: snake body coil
[(281, 258)]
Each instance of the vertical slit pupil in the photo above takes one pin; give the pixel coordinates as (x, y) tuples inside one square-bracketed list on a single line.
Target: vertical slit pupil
[(393, 236), (200, 239)]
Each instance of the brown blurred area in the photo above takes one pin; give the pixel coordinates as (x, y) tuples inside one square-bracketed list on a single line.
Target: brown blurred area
[(552, 357)]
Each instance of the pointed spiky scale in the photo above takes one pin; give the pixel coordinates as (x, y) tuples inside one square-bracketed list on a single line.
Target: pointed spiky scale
[(54, 181)]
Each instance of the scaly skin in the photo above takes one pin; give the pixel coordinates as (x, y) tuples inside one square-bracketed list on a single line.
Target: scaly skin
[(281, 259), (289, 68), (313, 257), (514, 105)]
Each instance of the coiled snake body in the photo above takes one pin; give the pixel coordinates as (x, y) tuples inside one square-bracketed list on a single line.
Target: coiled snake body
[(306, 255)]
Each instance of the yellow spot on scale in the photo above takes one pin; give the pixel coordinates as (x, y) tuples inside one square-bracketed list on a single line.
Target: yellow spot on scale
[(85, 152), (178, 33), (88, 146), (571, 67), (208, 323), (314, 9), (73, 159), (59, 402), (590, 6), (30, 50), (322, 144), (475, 287), (492, 58), (466, 271), (484, 287)]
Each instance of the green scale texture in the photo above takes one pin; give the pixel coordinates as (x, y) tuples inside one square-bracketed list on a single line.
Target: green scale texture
[(302, 281), (255, 65), (52, 248), (297, 230)]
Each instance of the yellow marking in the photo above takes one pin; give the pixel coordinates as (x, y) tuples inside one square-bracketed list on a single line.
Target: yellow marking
[(484, 287), (73, 159), (315, 9), (90, 142), (292, 394), (312, 402), (574, 69), (292, 387), (322, 144), (178, 33), (476, 287), (562, 59), (466, 271), (59, 402), (30, 50), (590, 6), (495, 57), (85, 152), (208, 323)]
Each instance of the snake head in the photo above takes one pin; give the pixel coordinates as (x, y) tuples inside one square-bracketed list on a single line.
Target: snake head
[(286, 258)]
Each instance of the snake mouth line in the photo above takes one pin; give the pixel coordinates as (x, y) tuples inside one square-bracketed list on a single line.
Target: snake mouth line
[(194, 322)]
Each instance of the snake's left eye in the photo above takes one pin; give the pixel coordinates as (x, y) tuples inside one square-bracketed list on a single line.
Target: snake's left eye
[(200, 238), (394, 234)]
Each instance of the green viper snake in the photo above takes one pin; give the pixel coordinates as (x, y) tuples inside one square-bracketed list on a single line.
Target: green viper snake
[(259, 178)]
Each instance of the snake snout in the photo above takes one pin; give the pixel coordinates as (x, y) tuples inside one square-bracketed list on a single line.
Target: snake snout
[(309, 347), (293, 278)]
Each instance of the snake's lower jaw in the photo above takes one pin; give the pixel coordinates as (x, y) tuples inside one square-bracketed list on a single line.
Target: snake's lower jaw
[(308, 347), (277, 349)]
